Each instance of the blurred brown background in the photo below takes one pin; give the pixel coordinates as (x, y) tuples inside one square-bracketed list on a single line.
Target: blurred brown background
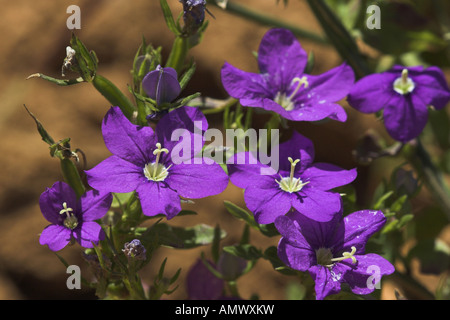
[(33, 39)]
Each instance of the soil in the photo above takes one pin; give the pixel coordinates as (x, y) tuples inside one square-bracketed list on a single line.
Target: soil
[(34, 38)]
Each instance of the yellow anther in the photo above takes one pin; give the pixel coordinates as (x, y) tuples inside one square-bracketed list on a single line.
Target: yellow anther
[(299, 81), (347, 255), (65, 209)]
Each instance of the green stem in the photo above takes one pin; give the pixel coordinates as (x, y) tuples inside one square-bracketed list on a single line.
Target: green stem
[(178, 54), (340, 37), (232, 286), (267, 20), (72, 176)]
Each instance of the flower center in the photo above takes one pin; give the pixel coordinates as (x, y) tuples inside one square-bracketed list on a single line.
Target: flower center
[(286, 101), (71, 221), (404, 84), (325, 258), (291, 184), (156, 171)]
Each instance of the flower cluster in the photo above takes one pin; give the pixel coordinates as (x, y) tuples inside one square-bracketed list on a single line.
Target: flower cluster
[(157, 162), (299, 196)]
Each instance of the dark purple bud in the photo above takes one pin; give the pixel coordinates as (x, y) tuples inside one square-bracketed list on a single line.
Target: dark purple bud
[(135, 250), (405, 181), (194, 14), (230, 266), (202, 284), (162, 85)]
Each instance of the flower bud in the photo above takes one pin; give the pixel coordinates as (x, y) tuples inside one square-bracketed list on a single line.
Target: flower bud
[(162, 85), (135, 250), (193, 15), (230, 266)]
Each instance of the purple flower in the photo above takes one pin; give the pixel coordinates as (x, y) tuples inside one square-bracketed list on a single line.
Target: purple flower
[(283, 87), (151, 164), (162, 85), (334, 252), (404, 93), (71, 217), (299, 183)]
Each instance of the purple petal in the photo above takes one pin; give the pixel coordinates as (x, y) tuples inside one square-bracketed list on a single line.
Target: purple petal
[(126, 140), (360, 226), (369, 265), (183, 118), (282, 57), (51, 201), (327, 282), (294, 257), (89, 232), (162, 85), (372, 93), (290, 231), (264, 103), (245, 85), (297, 147), (55, 236), (267, 201), (245, 170), (431, 87), (157, 198), (195, 181), (405, 117), (320, 234), (324, 176), (331, 86), (315, 112), (317, 204), (95, 204), (115, 175)]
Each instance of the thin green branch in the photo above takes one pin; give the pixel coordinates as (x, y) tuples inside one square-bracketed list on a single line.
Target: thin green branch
[(267, 20)]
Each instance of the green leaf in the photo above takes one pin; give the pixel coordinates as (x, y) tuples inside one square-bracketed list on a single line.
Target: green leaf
[(169, 17), (241, 214), (271, 254), (59, 82), (120, 199), (398, 204), (390, 226), (404, 220), (380, 202), (339, 37), (182, 238), (245, 251), (295, 291), (44, 134), (269, 230), (187, 75)]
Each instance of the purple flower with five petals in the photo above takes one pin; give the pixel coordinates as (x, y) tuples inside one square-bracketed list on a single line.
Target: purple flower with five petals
[(72, 217), (299, 183), (334, 252), (404, 93), (151, 164), (282, 87)]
